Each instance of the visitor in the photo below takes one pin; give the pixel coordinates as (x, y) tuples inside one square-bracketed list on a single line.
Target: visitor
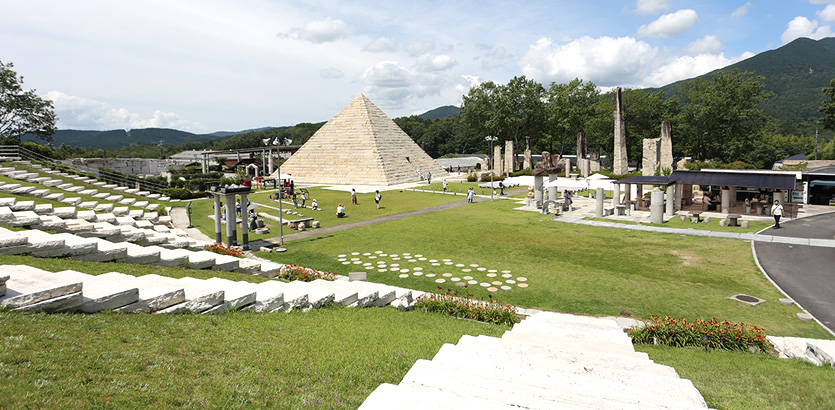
[(314, 205), (777, 212), (429, 178), (706, 202), (470, 195), (353, 196), (340, 211), (569, 197), (501, 188), (445, 185), (377, 198), (238, 207), (292, 187), (295, 201), (304, 198)]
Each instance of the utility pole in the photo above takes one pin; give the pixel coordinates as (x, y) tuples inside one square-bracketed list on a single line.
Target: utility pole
[(816, 143), (491, 139)]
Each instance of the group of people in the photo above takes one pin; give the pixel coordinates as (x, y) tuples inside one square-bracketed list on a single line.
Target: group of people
[(776, 207), (340, 209)]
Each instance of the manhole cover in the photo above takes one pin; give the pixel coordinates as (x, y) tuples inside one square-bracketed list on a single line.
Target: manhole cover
[(746, 298)]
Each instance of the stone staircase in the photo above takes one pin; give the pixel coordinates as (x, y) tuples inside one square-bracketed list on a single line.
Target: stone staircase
[(548, 361), (27, 289)]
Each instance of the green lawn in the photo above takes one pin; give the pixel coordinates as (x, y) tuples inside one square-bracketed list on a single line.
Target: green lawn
[(741, 380), (324, 359), (569, 268), (713, 225)]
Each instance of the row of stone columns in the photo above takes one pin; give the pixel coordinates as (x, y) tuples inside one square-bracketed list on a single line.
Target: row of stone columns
[(232, 221)]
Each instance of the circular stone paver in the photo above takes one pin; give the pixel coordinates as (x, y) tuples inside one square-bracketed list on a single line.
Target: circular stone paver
[(342, 259), (447, 275), (382, 270), (455, 279), (393, 255), (417, 273), (346, 263), (369, 267), (459, 265), (439, 280), (462, 284), (405, 275), (378, 252), (366, 264), (355, 253), (418, 256), (372, 257), (481, 269), (492, 271), (367, 254), (421, 259), (484, 284), (418, 268), (466, 270), (522, 279), (507, 275), (446, 260), (357, 262), (412, 260), (522, 285), (472, 282), (405, 253), (447, 263), (355, 259), (342, 256), (436, 264), (395, 264), (497, 283), (383, 254), (433, 260), (404, 270), (430, 275), (468, 277), (492, 289), (473, 265), (505, 271), (510, 281), (395, 259), (491, 275), (506, 287)]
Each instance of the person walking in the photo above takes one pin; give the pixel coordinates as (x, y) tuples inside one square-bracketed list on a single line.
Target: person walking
[(295, 200), (501, 188), (777, 212), (470, 195), (429, 178), (353, 196), (445, 185), (377, 198), (304, 198)]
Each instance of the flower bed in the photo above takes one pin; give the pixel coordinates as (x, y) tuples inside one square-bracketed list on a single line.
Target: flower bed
[(224, 250), (451, 304), (712, 334), (295, 272)]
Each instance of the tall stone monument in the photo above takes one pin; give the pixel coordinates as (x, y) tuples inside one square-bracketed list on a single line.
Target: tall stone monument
[(509, 157), (527, 164), (497, 159), (619, 162), (581, 145), (666, 154), (649, 162)]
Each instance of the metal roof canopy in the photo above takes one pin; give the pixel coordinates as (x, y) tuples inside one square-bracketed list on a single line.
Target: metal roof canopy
[(646, 180), (735, 179), (821, 182)]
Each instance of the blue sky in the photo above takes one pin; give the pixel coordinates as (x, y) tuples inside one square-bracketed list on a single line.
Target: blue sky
[(211, 65)]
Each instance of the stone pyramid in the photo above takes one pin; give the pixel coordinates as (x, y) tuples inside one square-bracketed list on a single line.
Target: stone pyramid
[(362, 146)]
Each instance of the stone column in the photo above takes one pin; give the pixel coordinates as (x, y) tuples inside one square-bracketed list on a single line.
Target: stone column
[(627, 194), (204, 164), (526, 164), (497, 159), (619, 162), (270, 162), (679, 197), (581, 146), (649, 162), (598, 202), (665, 157), (670, 197), (509, 157), (244, 223), (230, 220), (687, 195), (218, 231), (537, 189), (726, 200), (733, 196), (552, 191), (616, 195), (656, 207)]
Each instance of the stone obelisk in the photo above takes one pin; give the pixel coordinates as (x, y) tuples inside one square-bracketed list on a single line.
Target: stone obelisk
[(666, 161), (581, 145), (509, 157), (619, 162)]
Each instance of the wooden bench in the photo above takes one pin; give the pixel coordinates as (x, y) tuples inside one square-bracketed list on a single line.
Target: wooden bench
[(695, 216)]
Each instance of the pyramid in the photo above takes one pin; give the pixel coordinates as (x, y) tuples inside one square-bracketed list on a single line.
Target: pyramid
[(360, 145)]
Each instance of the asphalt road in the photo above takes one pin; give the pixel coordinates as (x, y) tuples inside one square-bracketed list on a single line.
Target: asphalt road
[(806, 273)]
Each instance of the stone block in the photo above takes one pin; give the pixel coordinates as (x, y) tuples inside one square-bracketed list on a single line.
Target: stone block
[(805, 317), (786, 301), (744, 224), (357, 276), (315, 224)]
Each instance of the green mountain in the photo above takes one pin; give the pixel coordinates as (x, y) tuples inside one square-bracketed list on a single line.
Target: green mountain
[(795, 74), (440, 112)]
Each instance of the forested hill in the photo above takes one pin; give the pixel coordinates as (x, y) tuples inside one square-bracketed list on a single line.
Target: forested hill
[(795, 74), (440, 112), (115, 139)]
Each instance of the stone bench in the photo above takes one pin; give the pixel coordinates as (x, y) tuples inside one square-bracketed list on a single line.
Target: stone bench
[(695, 216), (732, 219)]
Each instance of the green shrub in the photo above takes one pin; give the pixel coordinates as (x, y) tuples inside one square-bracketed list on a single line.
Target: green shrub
[(521, 172), (495, 178), (182, 193), (471, 178), (450, 303), (712, 334)]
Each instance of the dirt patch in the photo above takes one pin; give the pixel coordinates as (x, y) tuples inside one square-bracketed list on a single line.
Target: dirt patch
[(687, 258)]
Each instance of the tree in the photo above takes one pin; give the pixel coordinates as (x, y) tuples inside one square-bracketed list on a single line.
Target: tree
[(722, 115), (23, 112), (569, 108), (828, 107)]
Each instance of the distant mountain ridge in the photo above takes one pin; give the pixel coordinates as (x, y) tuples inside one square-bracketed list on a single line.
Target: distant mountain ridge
[(440, 112)]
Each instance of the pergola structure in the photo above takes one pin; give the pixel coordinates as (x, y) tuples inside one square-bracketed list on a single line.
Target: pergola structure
[(229, 194)]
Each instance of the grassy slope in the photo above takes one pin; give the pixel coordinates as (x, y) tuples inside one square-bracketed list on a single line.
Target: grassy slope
[(571, 268)]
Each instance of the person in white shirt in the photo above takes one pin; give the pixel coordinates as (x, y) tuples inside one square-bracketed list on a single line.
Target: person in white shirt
[(777, 212), (377, 198), (340, 211)]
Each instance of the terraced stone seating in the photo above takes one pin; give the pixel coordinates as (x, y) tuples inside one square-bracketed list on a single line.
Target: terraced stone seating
[(547, 361), (29, 289)]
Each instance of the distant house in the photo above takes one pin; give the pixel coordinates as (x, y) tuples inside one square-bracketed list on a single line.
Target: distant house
[(796, 157)]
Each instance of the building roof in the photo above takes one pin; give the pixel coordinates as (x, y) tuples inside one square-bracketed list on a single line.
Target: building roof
[(765, 179)]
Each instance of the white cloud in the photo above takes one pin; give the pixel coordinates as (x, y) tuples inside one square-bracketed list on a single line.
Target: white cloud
[(803, 27), (417, 47), (606, 61), (428, 62), (670, 25), (707, 45), (470, 81), (331, 72), (651, 6), (828, 13), (821, 1), (688, 67), (86, 114), (741, 11), (321, 31), (381, 45), (393, 84)]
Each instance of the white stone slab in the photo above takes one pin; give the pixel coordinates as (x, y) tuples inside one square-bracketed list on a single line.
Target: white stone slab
[(102, 195), (55, 197), (105, 217), (7, 202), (139, 255), (140, 204), (104, 208), (294, 299), (405, 397), (266, 299), (120, 210), (28, 286), (43, 209), (74, 201), (11, 238), (101, 293), (223, 262), (315, 297), (106, 251), (88, 204), (6, 214), (152, 296), (52, 183), (65, 212), (74, 189), (344, 296), (40, 193), (50, 223), (198, 298), (114, 198), (167, 257), (131, 191), (152, 196), (128, 201), (9, 187), (24, 218), (23, 206), (89, 192), (248, 266)]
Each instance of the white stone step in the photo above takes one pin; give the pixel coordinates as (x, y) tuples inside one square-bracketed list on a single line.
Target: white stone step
[(102, 195), (8, 202), (106, 251), (316, 297), (136, 213), (64, 212), (385, 293), (557, 390), (152, 207), (388, 396), (146, 194), (34, 243), (563, 319), (109, 186), (40, 193), (139, 255), (88, 204), (30, 289), (196, 260), (150, 216), (140, 204), (342, 295), (43, 209), (128, 201), (223, 262), (50, 223), (6, 214), (16, 174), (7, 170), (266, 299), (167, 257), (105, 217), (100, 183), (294, 298), (120, 188), (134, 235), (198, 298), (114, 198), (55, 197), (107, 207), (11, 238), (105, 229), (74, 201), (9, 187), (24, 218), (234, 298), (152, 196), (74, 189), (597, 346), (120, 210), (78, 225), (248, 266), (52, 183), (576, 332), (101, 293), (23, 206), (73, 245), (24, 190), (164, 198), (39, 179), (131, 191), (161, 228), (152, 296), (173, 241), (268, 269), (89, 192), (365, 295), (64, 186)]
